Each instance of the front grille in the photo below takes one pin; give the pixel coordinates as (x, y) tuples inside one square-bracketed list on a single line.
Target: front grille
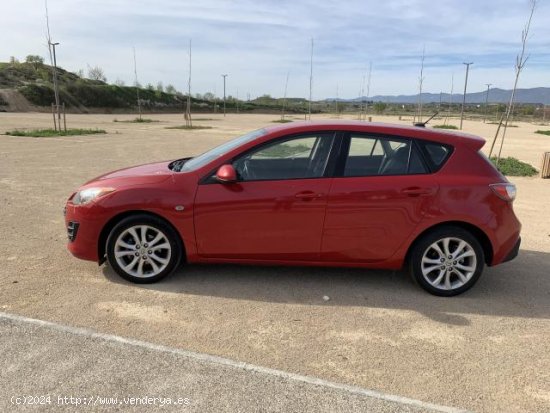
[(72, 230)]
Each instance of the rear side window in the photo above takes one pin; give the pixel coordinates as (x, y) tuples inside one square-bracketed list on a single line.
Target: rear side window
[(436, 154), (372, 156)]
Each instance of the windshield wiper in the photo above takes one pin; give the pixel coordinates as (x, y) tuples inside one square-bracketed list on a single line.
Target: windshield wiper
[(177, 165)]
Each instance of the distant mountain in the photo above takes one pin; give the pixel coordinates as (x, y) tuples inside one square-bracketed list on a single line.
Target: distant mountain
[(540, 95)]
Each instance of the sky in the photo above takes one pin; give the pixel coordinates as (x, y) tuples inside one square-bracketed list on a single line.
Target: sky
[(258, 42)]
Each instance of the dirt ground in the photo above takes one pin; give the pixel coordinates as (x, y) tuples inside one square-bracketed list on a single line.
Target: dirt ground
[(487, 350)]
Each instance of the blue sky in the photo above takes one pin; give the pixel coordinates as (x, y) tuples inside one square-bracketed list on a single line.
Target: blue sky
[(257, 42)]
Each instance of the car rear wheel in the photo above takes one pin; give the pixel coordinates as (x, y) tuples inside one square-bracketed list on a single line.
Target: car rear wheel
[(143, 249), (447, 261)]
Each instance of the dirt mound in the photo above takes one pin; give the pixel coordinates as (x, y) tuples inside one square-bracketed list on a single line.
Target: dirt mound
[(16, 102)]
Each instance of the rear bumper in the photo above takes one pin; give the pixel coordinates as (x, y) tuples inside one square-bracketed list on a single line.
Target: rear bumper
[(514, 252)]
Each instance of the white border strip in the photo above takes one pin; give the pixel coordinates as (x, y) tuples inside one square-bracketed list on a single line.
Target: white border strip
[(87, 333)]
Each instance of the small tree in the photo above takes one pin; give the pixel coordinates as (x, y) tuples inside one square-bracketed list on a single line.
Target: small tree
[(209, 96), (96, 73), (150, 87), (35, 60), (521, 60), (170, 89), (380, 107), (160, 87)]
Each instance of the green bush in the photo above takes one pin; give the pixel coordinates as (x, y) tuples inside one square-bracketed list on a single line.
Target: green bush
[(514, 167), (136, 120), (44, 133), (38, 95), (543, 132), (445, 127), (185, 127)]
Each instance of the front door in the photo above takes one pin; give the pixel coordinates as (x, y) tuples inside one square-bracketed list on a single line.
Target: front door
[(276, 209)]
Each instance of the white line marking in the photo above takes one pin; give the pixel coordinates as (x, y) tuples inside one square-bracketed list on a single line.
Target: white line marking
[(84, 332)]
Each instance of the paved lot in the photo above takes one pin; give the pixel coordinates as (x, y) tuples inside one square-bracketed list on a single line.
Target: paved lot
[(487, 350), (66, 368)]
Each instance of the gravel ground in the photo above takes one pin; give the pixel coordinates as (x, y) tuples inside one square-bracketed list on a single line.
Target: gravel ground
[(69, 369), (487, 350)]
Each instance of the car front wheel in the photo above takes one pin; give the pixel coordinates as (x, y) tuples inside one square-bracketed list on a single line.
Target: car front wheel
[(143, 249), (447, 261)]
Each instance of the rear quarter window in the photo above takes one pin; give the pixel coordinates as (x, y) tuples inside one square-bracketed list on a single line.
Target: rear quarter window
[(436, 154)]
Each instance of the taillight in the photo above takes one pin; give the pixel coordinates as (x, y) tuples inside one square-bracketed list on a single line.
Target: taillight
[(507, 192)]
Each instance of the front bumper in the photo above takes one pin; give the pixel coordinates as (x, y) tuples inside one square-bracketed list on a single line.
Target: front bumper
[(83, 229)]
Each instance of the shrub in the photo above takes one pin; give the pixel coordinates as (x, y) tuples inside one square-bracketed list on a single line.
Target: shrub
[(185, 127), (43, 133), (445, 127), (514, 167), (543, 132)]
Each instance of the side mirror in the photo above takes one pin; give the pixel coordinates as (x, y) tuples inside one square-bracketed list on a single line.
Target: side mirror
[(226, 174)]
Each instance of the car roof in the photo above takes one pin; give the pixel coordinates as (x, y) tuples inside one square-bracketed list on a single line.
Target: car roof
[(437, 135)]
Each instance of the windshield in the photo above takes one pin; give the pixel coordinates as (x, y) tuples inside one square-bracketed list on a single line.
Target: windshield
[(207, 157)]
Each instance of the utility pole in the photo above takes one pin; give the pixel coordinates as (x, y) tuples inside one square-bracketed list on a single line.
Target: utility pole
[(137, 84), (486, 102), (368, 92), (224, 76), (53, 61), (450, 98), (310, 79), (188, 121), (56, 85), (336, 101), (464, 96), (420, 83), (284, 97)]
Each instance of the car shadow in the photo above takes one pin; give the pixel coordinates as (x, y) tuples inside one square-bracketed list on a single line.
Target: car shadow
[(520, 288)]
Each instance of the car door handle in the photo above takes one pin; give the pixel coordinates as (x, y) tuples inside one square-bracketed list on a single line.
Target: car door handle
[(307, 195), (416, 191)]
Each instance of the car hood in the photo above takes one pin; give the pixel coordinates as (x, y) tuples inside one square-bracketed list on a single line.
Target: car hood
[(141, 174)]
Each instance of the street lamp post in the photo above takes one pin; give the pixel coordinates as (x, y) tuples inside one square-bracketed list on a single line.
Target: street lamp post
[(224, 76), (464, 96), (487, 102), (55, 84)]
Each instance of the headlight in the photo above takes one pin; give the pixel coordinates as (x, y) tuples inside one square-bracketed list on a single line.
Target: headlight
[(89, 194)]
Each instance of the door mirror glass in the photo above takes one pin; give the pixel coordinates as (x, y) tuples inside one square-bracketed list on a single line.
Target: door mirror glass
[(226, 174)]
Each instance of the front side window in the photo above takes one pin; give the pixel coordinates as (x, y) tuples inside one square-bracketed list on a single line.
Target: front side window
[(372, 156), (299, 157)]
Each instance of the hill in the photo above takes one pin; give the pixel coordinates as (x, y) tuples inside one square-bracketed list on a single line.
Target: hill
[(28, 86), (538, 95)]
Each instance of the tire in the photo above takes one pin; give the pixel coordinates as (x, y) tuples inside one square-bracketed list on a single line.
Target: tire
[(447, 261), (143, 262)]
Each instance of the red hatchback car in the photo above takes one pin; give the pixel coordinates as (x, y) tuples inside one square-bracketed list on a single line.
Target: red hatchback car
[(309, 193)]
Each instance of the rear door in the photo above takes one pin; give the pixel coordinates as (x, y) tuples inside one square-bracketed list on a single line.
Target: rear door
[(381, 191)]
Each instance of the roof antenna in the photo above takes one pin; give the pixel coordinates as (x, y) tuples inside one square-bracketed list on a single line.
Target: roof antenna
[(423, 124)]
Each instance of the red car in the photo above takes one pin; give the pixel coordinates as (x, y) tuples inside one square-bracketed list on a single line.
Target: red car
[(309, 193)]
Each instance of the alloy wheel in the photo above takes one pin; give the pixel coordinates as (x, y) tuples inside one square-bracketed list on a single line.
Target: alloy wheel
[(448, 263), (142, 251)]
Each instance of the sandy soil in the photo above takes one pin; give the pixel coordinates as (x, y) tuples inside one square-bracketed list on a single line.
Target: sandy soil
[(487, 350)]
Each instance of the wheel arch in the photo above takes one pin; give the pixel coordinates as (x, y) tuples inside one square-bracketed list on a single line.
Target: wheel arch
[(107, 228), (477, 232)]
